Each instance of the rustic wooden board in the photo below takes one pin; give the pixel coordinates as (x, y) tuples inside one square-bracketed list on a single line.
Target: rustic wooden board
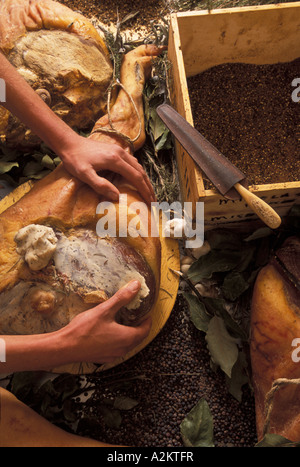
[(190, 177), (200, 40), (15, 196), (221, 211), (257, 34)]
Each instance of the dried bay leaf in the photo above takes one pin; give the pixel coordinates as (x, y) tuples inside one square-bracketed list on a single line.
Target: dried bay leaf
[(197, 427), (213, 262), (129, 17), (31, 168), (216, 306), (234, 285), (157, 126), (223, 239), (125, 403), (221, 345), (68, 411), (164, 142), (8, 154), (47, 162), (272, 440), (112, 417), (22, 383), (259, 233), (67, 385), (6, 167), (198, 313), (239, 377)]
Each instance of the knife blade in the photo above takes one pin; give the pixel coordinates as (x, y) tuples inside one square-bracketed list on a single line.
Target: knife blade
[(225, 176)]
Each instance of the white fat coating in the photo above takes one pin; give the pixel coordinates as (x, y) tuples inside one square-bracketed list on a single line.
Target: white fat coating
[(37, 244), (18, 316), (87, 264), (95, 265)]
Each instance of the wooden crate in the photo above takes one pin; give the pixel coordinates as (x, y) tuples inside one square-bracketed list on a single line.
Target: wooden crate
[(202, 39)]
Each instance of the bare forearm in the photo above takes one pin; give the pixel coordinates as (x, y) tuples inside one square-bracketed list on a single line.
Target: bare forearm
[(83, 157), (34, 352), (92, 336), (24, 103)]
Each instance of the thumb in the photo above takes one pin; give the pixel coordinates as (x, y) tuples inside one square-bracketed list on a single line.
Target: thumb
[(122, 298)]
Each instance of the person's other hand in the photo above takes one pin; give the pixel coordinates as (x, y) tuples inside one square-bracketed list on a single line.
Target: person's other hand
[(85, 157), (94, 335)]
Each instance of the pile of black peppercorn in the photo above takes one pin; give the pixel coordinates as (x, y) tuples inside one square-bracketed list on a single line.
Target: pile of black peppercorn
[(248, 113), (167, 379)]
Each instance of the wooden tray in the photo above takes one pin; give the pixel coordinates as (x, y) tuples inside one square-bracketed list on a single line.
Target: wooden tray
[(199, 40)]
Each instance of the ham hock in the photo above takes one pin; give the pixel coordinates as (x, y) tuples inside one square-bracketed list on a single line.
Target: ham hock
[(53, 265), (275, 344)]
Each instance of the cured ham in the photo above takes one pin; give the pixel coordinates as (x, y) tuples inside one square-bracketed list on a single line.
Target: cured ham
[(53, 264)]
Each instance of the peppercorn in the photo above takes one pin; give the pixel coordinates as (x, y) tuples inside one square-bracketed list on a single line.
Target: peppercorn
[(247, 112), (176, 374)]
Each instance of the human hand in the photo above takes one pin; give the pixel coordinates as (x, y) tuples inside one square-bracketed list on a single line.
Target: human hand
[(95, 336), (84, 157)]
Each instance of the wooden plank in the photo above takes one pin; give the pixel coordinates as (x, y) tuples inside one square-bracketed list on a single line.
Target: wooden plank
[(258, 35), (191, 182), (15, 196), (220, 212)]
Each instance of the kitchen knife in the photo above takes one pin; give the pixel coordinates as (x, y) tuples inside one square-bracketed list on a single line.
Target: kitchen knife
[(227, 178)]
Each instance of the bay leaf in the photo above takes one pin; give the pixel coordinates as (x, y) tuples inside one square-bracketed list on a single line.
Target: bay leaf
[(273, 440), (125, 403), (223, 239), (111, 417), (197, 427), (292, 220), (22, 383), (40, 175), (198, 313), (239, 377), (157, 126), (6, 167), (9, 154), (213, 262), (259, 233), (221, 345), (216, 306), (67, 385), (47, 162), (31, 169), (247, 255), (164, 142), (234, 285), (57, 160), (68, 411), (129, 17)]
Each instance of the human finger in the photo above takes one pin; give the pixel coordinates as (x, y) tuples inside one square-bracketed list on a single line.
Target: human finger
[(101, 185), (138, 179), (134, 162), (132, 336), (139, 333), (121, 298)]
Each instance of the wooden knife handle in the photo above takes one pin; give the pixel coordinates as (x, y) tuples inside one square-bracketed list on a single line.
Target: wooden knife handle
[(262, 209)]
